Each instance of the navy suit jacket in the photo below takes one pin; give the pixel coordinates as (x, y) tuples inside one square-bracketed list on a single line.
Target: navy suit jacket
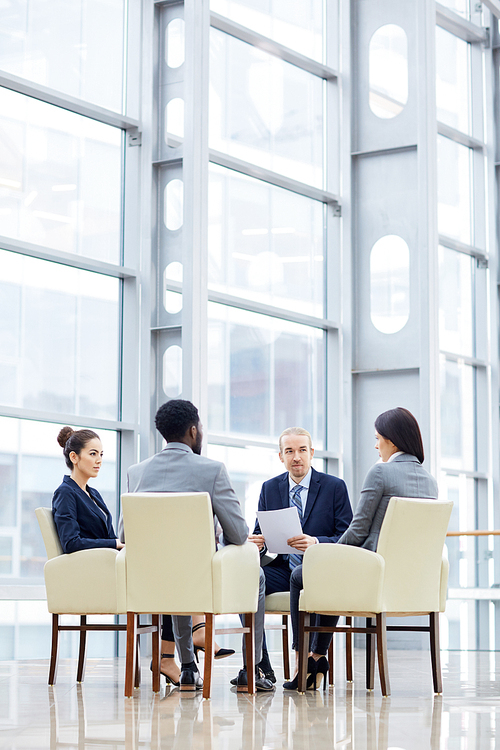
[(328, 510), (79, 524)]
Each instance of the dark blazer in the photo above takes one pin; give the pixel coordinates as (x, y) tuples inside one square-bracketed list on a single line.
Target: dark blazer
[(79, 524), (328, 511)]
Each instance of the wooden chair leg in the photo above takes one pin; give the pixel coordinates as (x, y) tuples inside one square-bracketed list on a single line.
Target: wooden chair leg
[(286, 651), (370, 656), (348, 651), (331, 662), (382, 654), (155, 649), (304, 622), (54, 654), (137, 673), (250, 651), (80, 672), (435, 652), (209, 654), (131, 654)]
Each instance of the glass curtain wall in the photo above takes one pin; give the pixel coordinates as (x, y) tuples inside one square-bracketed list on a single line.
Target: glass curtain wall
[(463, 312), (271, 237), (61, 255)]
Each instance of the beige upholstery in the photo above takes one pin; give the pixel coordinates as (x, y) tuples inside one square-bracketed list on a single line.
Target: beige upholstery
[(49, 532), (81, 583), (170, 564), (406, 576), (278, 602)]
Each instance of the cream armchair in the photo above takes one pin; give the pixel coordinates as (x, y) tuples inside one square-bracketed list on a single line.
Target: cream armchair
[(406, 576), (81, 583), (170, 566)]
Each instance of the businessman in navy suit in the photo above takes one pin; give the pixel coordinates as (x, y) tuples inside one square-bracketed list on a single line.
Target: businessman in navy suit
[(323, 505)]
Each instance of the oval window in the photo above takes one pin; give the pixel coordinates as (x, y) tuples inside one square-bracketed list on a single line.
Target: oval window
[(174, 117), (174, 48), (173, 213), (390, 284), (172, 371), (388, 66), (172, 300)]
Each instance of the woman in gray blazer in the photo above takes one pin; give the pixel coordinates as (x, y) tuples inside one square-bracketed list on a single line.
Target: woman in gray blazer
[(398, 473)]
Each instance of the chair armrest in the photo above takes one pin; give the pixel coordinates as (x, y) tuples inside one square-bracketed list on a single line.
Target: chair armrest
[(236, 571), (341, 578), (443, 584), (121, 580), (82, 582)]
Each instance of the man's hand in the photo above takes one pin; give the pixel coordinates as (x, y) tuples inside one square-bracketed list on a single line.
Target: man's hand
[(301, 542), (119, 545), (257, 539)]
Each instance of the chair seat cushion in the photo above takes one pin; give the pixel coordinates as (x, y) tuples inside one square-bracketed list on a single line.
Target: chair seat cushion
[(278, 602)]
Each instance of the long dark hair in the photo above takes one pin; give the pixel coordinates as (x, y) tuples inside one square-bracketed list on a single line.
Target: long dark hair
[(74, 440), (401, 428)]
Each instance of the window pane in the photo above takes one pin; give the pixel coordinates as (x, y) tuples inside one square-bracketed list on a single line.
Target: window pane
[(388, 71), (390, 283), (456, 302), (265, 111), (297, 24), (59, 336), (459, 6), (75, 47), (454, 190), (264, 374), (60, 178), (265, 243), (457, 415), (32, 464), (452, 80)]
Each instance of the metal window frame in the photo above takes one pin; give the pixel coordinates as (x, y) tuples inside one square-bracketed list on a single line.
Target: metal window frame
[(244, 34)]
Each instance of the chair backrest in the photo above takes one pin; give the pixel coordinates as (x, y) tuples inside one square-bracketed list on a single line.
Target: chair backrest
[(170, 543), (49, 532), (411, 541)]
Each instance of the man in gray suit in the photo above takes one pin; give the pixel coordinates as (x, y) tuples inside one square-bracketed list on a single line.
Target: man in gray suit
[(180, 467)]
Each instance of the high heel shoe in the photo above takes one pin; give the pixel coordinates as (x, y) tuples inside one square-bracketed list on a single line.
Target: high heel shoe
[(322, 669), (166, 676), (311, 677), (220, 654)]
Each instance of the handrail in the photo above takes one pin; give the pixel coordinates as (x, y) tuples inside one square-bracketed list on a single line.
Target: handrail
[(495, 532)]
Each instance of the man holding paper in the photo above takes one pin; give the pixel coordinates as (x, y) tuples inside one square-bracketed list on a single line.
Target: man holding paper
[(324, 511)]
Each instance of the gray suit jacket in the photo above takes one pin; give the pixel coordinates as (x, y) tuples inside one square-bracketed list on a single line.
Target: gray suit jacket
[(404, 476), (178, 469)]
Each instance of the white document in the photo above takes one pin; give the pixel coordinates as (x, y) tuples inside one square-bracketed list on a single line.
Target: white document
[(279, 525)]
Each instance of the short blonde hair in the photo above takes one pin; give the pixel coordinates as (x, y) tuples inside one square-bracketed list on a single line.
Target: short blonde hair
[(294, 431)]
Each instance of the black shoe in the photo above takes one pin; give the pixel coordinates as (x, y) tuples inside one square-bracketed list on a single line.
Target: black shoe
[(265, 667), (311, 677), (220, 654), (268, 675), (261, 684), (168, 679), (190, 680)]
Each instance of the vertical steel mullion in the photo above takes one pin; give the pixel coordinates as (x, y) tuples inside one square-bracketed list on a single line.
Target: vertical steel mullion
[(195, 177)]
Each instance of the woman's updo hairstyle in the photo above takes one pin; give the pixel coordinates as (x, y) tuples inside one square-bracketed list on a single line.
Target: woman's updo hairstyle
[(401, 428), (74, 440)]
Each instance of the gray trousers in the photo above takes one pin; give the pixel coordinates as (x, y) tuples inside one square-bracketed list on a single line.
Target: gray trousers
[(182, 627)]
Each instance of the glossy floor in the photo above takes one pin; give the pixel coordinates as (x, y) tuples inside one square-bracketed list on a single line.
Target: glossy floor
[(96, 715)]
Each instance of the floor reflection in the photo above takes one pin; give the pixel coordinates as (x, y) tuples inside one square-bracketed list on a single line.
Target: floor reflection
[(96, 715)]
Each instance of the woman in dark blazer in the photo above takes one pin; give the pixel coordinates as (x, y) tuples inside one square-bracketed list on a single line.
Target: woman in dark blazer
[(398, 473), (80, 514)]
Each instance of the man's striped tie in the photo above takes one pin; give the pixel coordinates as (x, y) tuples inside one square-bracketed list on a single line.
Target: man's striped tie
[(294, 560)]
